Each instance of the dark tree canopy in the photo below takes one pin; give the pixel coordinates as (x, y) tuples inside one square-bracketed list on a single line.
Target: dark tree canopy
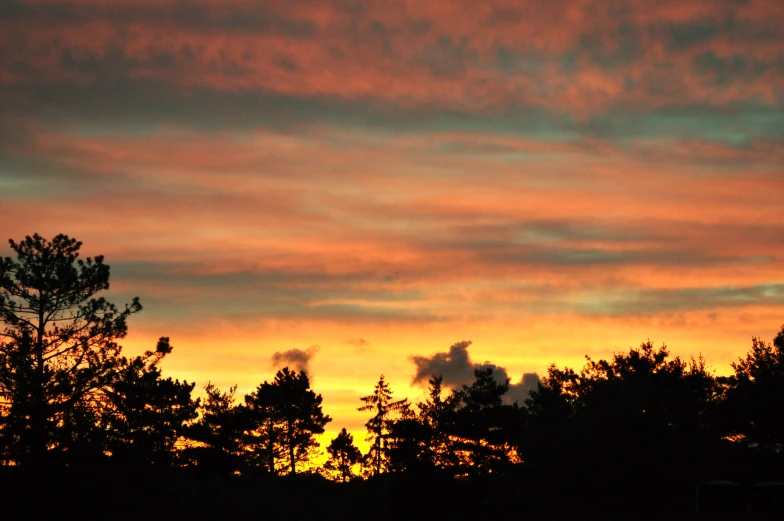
[(343, 456), (426, 443), (59, 341), (480, 425), (640, 428), (380, 424), (148, 414), (603, 415), (218, 434), (263, 431), (285, 416), (755, 398)]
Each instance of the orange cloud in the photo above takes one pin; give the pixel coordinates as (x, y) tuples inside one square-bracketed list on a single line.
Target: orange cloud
[(546, 179), (449, 55)]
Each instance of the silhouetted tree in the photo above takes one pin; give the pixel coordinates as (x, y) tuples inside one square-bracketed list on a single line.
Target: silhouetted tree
[(59, 340), (263, 430), (436, 414), (642, 409), (482, 424), (550, 421), (301, 415), (379, 425), (423, 444), (343, 455), (407, 446), (286, 415), (218, 432), (82, 437), (755, 397), (148, 414)]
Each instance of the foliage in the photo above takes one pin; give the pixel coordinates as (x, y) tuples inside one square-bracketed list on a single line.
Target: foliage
[(425, 444), (284, 416), (482, 425), (380, 424), (602, 416), (218, 433), (343, 456), (755, 397), (58, 346), (148, 414)]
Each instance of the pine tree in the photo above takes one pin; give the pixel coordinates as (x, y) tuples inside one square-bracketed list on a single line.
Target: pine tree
[(286, 415), (262, 430), (148, 414), (343, 455), (58, 344), (218, 432), (380, 424), (300, 414), (437, 415), (479, 423)]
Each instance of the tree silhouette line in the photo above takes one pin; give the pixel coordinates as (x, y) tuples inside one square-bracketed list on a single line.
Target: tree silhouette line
[(70, 399)]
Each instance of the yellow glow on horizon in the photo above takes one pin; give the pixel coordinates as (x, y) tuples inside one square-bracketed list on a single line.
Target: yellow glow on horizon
[(342, 371)]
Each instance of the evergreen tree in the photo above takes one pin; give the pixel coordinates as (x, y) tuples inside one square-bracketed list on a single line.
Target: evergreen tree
[(481, 423), (437, 415), (147, 413), (57, 343), (379, 425), (343, 455), (263, 430), (218, 432), (82, 437), (286, 415), (422, 444), (300, 414)]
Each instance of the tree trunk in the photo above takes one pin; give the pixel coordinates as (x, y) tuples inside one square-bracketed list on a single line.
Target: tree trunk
[(37, 438), (290, 441)]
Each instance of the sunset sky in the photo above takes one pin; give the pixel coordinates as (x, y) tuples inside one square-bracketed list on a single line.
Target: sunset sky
[(371, 181)]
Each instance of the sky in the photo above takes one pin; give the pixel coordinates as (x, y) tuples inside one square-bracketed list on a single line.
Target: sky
[(391, 187)]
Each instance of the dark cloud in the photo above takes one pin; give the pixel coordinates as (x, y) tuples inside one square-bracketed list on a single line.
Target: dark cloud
[(360, 295), (655, 301), (113, 102), (521, 390), (727, 70), (561, 243), (532, 245), (454, 366), (255, 17), (295, 359), (686, 35), (357, 32), (446, 58), (457, 369), (715, 124)]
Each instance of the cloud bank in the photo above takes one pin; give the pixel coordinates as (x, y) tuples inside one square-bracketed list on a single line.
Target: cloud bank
[(457, 369)]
